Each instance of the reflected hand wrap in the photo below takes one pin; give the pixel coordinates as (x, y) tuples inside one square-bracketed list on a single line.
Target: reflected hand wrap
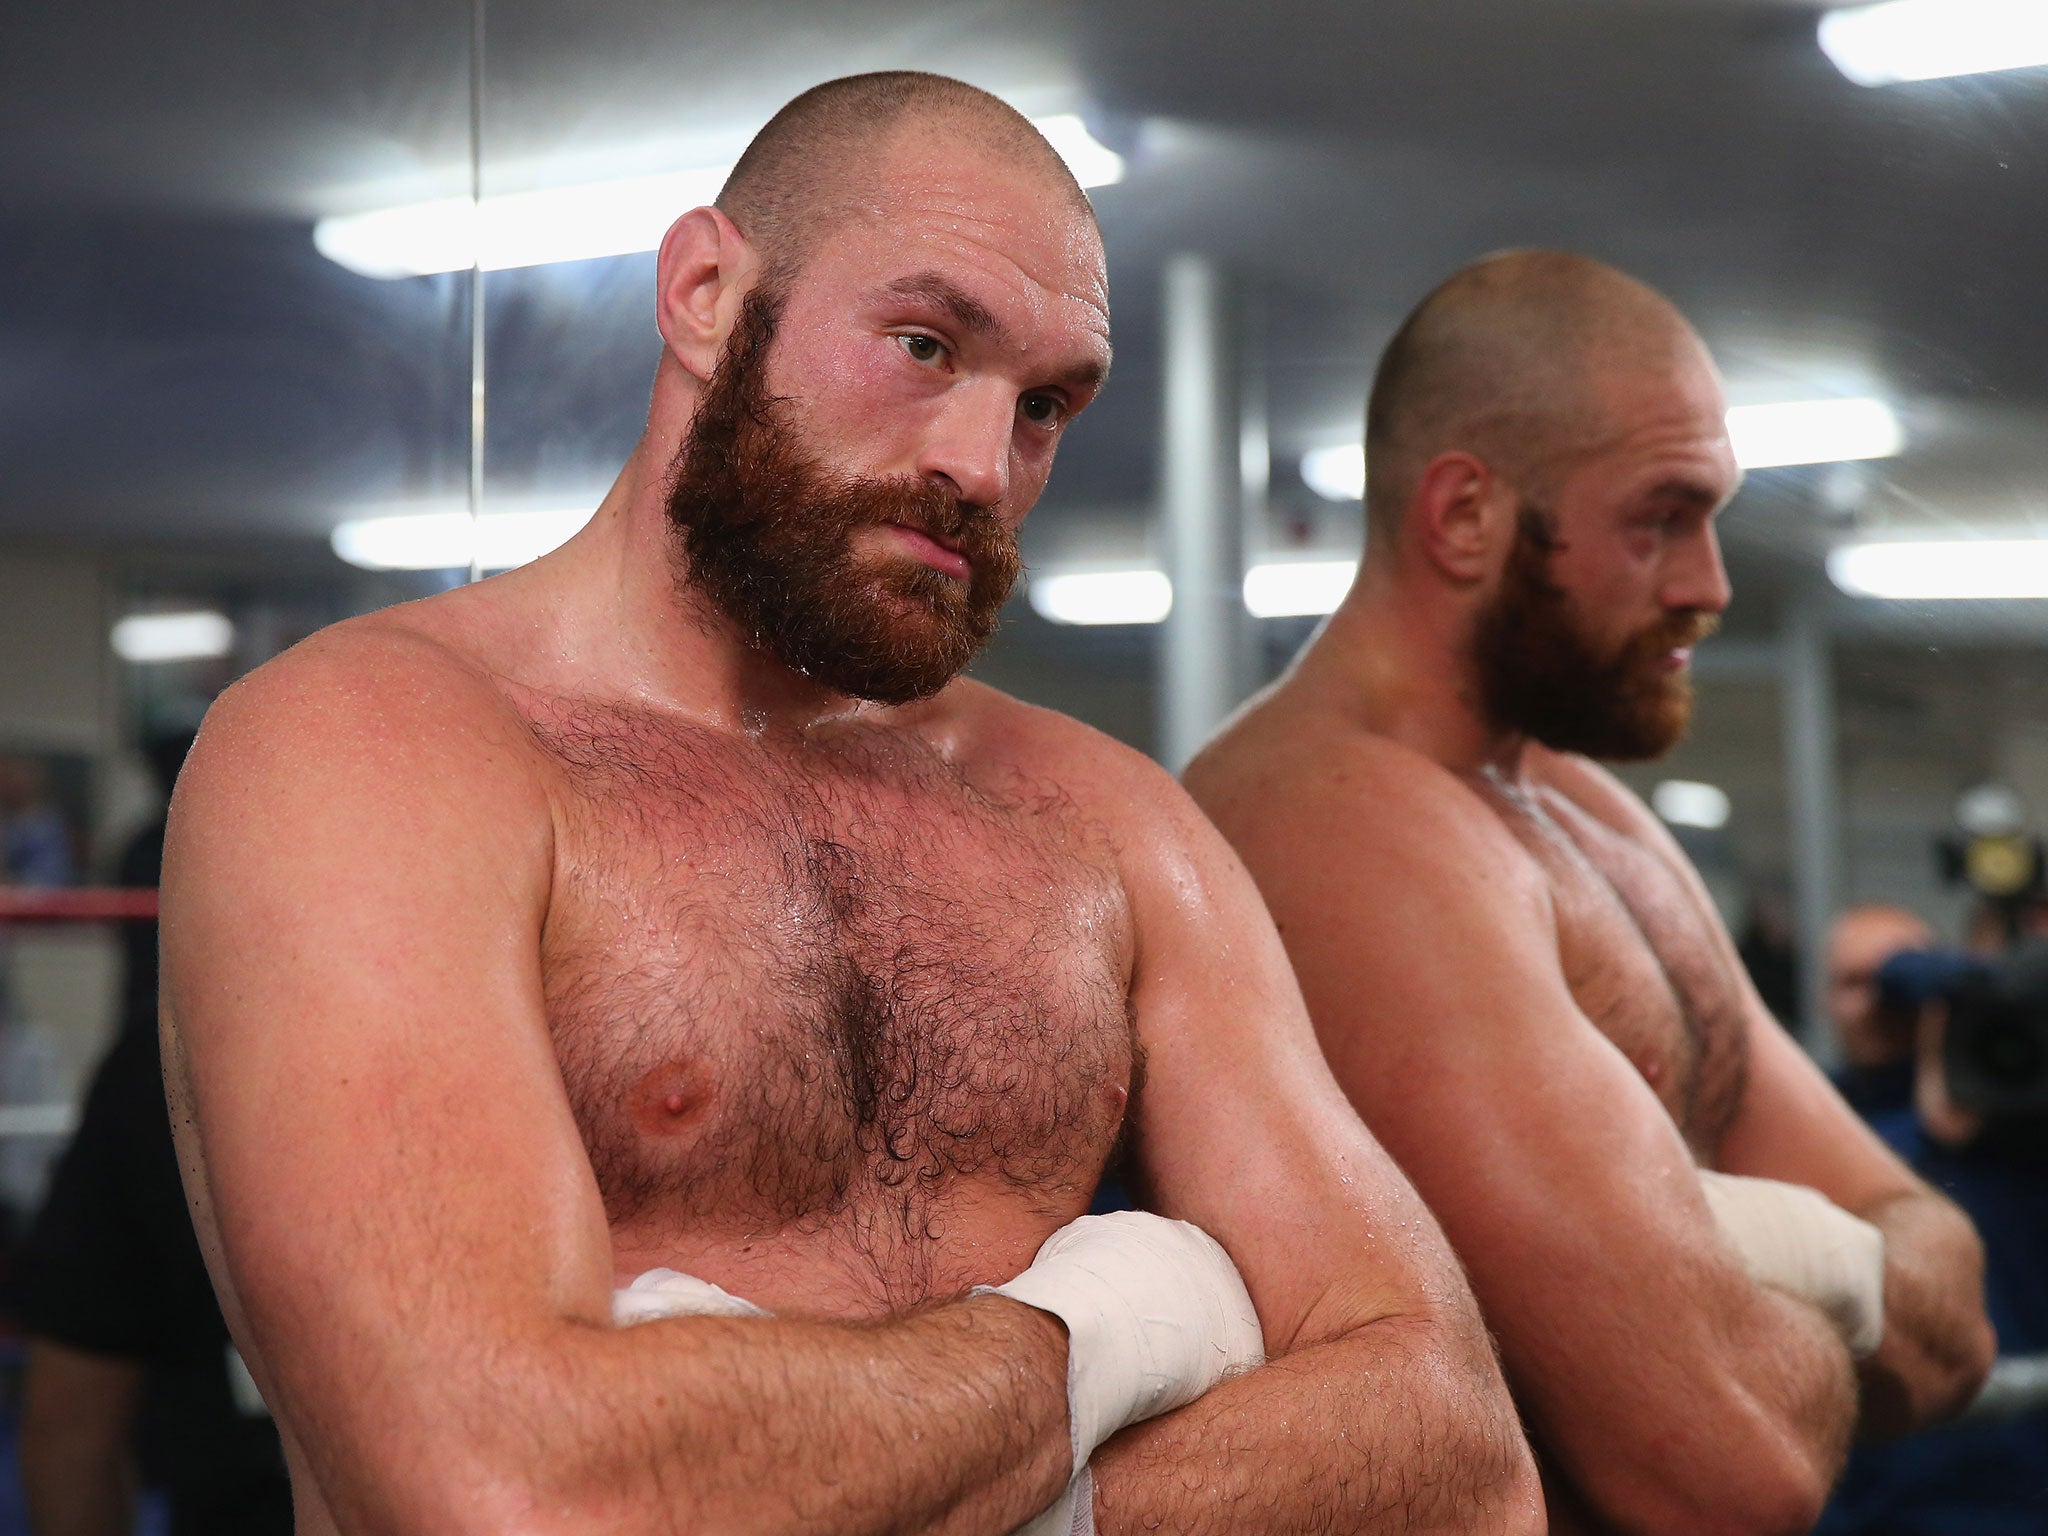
[(1800, 1242)]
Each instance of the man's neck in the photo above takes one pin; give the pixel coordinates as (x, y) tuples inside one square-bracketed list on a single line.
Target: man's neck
[(613, 616), (1402, 666)]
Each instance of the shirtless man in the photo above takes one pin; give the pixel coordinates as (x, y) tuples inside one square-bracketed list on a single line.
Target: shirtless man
[(1515, 972), (668, 903)]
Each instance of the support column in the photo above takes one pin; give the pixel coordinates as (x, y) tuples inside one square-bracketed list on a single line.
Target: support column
[(1201, 502), (1814, 799)]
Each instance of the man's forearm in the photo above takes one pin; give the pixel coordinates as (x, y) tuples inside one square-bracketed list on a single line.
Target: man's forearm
[(952, 1421), (1937, 1345), (1390, 1428)]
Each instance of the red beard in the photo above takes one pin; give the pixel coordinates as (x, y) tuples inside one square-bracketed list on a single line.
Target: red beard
[(767, 534), (1540, 673)]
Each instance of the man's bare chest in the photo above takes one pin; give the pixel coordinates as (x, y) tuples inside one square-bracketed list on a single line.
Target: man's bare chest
[(1642, 962), (825, 988)]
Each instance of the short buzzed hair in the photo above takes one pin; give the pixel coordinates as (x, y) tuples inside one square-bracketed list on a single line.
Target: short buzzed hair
[(812, 165), (1497, 360)]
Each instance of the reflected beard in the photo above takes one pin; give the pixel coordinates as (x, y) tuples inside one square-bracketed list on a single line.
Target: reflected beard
[(766, 533), (1542, 675)]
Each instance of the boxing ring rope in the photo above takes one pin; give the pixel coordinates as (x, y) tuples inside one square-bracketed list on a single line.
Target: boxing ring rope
[(77, 904), (2018, 1383)]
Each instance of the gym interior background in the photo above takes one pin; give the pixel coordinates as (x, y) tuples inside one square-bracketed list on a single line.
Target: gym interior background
[(239, 337)]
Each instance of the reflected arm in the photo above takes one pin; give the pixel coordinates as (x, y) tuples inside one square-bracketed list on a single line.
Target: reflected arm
[(1671, 1393)]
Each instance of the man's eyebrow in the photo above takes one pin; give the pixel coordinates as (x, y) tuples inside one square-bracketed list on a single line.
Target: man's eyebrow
[(970, 314), (1692, 492), (943, 293)]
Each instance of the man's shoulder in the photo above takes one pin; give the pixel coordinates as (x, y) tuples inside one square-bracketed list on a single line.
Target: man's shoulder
[(1293, 779), (1111, 783), (366, 701), (1004, 732), (396, 665), (1600, 794)]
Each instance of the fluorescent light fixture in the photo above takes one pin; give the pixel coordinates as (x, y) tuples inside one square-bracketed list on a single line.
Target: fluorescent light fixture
[(147, 638), (1684, 803), (523, 229), (1102, 597), (603, 218), (1813, 432), (439, 541), (1930, 39), (1991, 810), (1093, 163), (1337, 473), (1286, 589), (1930, 570)]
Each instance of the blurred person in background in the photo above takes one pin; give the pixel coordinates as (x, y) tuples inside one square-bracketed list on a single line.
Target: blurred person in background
[(131, 1378), (1988, 1476), (1876, 1041), (1705, 1273), (35, 841)]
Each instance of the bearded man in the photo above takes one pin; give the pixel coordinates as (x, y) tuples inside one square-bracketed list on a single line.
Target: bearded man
[(1697, 1261), (664, 934)]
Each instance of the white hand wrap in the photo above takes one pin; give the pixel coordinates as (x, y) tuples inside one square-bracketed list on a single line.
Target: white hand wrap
[(667, 1293), (1801, 1242), (1156, 1315)]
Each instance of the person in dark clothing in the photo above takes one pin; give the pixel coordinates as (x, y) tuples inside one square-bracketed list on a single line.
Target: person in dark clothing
[(1876, 1042), (130, 1369), (1975, 1478)]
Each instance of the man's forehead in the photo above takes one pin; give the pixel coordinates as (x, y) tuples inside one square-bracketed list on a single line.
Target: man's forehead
[(982, 202)]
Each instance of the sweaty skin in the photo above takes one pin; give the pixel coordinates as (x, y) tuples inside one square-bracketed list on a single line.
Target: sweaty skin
[(527, 937), (1523, 985)]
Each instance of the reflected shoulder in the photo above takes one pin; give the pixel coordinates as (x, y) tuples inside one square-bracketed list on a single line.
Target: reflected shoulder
[(1596, 791)]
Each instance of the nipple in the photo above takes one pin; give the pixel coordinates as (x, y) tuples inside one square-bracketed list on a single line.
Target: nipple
[(670, 1099)]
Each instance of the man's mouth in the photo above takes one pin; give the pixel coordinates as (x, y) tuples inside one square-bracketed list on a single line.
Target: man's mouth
[(940, 552)]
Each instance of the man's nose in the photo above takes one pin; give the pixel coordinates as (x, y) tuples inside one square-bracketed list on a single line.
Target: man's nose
[(1698, 578), (969, 444)]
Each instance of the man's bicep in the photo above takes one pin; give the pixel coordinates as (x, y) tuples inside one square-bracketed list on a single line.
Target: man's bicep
[(351, 969), (1792, 1125)]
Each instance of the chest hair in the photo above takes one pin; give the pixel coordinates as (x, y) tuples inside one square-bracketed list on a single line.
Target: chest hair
[(820, 983)]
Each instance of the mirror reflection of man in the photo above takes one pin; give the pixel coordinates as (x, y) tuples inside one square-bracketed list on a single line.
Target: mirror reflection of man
[(670, 909), (1517, 974), (1875, 1041)]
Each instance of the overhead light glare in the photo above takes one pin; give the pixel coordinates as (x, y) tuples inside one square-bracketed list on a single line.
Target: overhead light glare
[(1930, 570), (1814, 432), (439, 541), (1335, 473), (1286, 589), (1931, 39), (1102, 597), (601, 218), (150, 638), (1093, 163), (1685, 803)]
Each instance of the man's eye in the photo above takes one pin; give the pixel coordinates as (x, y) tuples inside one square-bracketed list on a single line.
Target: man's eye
[(925, 349), (1041, 409)]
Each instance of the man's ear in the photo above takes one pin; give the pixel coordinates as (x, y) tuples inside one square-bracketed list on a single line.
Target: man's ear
[(705, 268), (1460, 515)]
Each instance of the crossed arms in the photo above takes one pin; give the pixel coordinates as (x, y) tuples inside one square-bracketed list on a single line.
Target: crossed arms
[(411, 1247), (1670, 1392)]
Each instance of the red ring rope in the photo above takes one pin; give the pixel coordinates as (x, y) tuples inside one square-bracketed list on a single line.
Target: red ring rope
[(75, 904)]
